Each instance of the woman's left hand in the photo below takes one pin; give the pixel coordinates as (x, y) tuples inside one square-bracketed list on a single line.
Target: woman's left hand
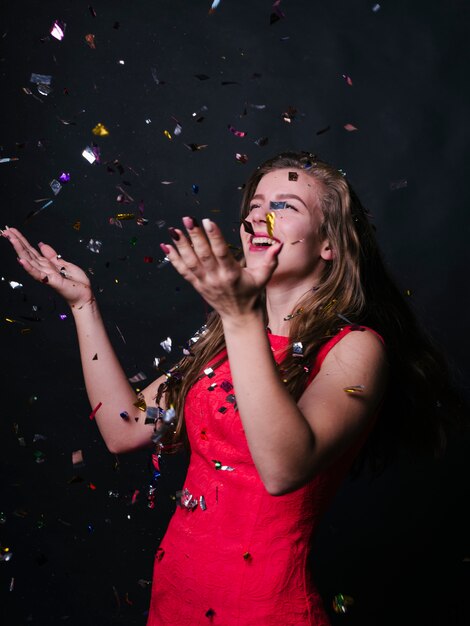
[(205, 261)]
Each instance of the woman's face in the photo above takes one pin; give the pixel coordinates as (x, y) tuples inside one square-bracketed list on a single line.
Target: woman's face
[(297, 221)]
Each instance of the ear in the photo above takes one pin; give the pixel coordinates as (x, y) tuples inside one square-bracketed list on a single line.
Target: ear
[(327, 253)]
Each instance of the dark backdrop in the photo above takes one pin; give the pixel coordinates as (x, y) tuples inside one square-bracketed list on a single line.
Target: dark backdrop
[(82, 552)]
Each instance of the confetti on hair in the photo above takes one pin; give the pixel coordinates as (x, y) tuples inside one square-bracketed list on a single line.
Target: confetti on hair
[(270, 218), (292, 315), (342, 603), (354, 389), (297, 348)]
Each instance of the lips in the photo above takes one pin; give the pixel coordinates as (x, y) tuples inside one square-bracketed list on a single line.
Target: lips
[(264, 236), (261, 241)]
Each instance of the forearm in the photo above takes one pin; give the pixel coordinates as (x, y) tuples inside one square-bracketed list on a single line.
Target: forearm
[(280, 439), (106, 382)]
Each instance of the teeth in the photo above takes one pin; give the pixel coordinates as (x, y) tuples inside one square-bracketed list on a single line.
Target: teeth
[(262, 241)]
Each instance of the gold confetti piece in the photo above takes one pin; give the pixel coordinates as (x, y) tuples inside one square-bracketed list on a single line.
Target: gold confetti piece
[(354, 389), (100, 130), (408, 292), (77, 225), (167, 134), (141, 404), (270, 217), (124, 216)]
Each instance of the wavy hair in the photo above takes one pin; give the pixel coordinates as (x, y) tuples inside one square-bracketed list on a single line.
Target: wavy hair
[(421, 404)]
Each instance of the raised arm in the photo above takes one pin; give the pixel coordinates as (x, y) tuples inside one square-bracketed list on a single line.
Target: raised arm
[(106, 382)]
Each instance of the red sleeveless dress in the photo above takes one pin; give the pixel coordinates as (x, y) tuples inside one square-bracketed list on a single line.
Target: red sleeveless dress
[(233, 554)]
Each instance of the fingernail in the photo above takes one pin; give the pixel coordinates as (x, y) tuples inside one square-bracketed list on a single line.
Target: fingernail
[(40, 243), (165, 248), (173, 233), (190, 222), (208, 225)]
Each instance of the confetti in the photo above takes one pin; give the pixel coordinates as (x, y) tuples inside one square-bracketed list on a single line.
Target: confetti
[(277, 206), (90, 39), (209, 372), (5, 554), (95, 410), (194, 147), (64, 177), (323, 130), (214, 5), (124, 216), (224, 468), (89, 154), (350, 127), (9, 159), (138, 377), (185, 499), (166, 344), (270, 217), (100, 130), (77, 458), (292, 315), (348, 79), (354, 389), (94, 246), (58, 30), (40, 79), (342, 603), (375, 8), (241, 158), (293, 176), (248, 227), (202, 76), (226, 385), (297, 348), (167, 134), (202, 503), (55, 186), (237, 133)]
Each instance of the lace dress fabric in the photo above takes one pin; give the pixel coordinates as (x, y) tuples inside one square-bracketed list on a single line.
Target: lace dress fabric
[(233, 555)]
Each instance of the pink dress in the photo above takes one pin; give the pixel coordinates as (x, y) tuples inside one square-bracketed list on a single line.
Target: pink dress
[(233, 554)]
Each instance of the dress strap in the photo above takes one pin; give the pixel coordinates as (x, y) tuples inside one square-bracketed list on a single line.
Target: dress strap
[(326, 347)]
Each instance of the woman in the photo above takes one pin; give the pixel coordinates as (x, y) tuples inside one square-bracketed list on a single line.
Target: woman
[(307, 343)]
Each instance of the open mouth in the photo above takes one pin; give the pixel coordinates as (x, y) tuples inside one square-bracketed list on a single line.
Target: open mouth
[(263, 242)]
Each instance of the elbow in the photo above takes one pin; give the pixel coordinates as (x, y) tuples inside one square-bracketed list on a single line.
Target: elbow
[(282, 487)]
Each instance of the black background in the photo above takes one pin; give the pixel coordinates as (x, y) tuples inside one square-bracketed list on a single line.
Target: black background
[(398, 545)]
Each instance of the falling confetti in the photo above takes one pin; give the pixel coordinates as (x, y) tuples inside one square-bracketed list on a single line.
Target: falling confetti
[(55, 186), (58, 30), (100, 130), (90, 39), (237, 133), (350, 127), (77, 458), (166, 344), (354, 389), (241, 158), (348, 79), (89, 154), (342, 603)]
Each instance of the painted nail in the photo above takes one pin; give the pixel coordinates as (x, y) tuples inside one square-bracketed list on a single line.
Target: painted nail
[(208, 225), (190, 222), (166, 249), (173, 233)]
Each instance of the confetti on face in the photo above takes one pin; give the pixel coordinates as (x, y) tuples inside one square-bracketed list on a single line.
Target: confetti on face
[(90, 39), (237, 133), (293, 176), (277, 206), (354, 389), (248, 227), (270, 217), (100, 130)]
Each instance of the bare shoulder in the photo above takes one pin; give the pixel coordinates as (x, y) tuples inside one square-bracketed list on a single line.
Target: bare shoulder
[(362, 346)]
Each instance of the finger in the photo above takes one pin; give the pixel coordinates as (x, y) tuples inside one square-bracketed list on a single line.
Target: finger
[(39, 273), (265, 270), (218, 244), (184, 249), (21, 245), (200, 243)]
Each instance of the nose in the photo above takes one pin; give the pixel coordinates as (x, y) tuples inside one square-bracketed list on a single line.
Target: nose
[(257, 215)]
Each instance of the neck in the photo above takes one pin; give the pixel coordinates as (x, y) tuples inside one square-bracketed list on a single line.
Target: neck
[(282, 301)]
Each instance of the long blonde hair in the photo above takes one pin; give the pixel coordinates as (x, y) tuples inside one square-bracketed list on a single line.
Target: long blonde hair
[(355, 286)]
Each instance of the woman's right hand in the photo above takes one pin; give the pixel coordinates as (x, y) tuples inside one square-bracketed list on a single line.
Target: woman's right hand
[(46, 266)]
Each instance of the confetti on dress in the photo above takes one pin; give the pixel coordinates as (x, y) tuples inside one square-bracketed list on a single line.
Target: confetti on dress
[(137, 377), (277, 206), (223, 468)]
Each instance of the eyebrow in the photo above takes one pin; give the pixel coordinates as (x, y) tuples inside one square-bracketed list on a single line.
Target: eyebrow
[(281, 196)]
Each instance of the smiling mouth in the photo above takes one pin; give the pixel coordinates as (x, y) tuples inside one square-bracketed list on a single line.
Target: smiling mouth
[(263, 242)]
